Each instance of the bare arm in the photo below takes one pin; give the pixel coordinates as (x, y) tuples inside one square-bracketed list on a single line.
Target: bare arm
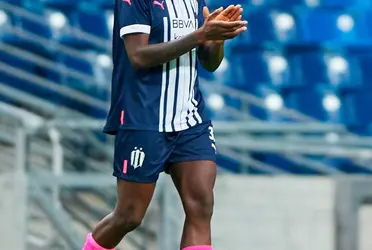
[(211, 54), (145, 55)]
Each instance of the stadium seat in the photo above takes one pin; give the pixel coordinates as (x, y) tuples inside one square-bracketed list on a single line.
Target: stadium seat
[(287, 4), (247, 70), (105, 4), (38, 28), (347, 166), (334, 3), (317, 103), (15, 2), (91, 22), (9, 77), (71, 27), (267, 25), (79, 65), (341, 28), (214, 4), (359, 115), (308, 68), (272, 102), (7, 21), (15, 61), (343, 71), (365, 62), (314, 67), (228, 163), (61, 4), (325, 4), (283, 163)]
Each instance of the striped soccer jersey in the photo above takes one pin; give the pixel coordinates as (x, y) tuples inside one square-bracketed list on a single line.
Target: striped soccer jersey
[(165, 98)]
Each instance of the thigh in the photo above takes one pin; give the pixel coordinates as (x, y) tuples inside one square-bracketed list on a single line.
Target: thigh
[(192, 164), (133, 198), (140, 155), (195, 181)]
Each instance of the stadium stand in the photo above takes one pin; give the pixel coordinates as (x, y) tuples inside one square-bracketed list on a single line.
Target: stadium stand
[(293, 94), (284, 58)]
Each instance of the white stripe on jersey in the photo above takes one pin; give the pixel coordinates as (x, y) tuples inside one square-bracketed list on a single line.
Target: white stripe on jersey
[(171, 95), (171, 13), (170, 98), (178, 109), (184, 77), (179, 8), (164, 80), (195, 110)]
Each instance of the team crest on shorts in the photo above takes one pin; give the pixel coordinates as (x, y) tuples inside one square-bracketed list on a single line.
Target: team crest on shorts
[(137, 157)]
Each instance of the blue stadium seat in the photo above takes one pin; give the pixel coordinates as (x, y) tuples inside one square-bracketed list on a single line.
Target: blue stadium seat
[(91, 22), (247, 70), (313, 67), (40, 29), (26, 84), (308, 68), (273, 102), (347, 166), (85, 68), (228, 163), (343, 71), (8, 21), (279, 70), (36, 7), (325, 4), (283, 163), (358, 115), (17, 63), (106, 4), (61, 4), (338, 27), (16, 2), (338, 3), (320, 104), (268, 26), (78, 65), (214, 4), (365, 62), (88, 21), (83, 65), (287, 4), (367, 16), (34, 33)]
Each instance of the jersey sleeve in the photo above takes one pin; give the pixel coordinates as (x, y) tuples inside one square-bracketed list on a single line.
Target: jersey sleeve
[(134, 17), (201, 5)]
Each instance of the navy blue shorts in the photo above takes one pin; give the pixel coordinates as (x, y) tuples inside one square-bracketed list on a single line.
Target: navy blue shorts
[(140, 155)]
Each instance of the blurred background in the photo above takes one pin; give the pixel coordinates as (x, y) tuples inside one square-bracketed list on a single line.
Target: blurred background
[(291, 104)]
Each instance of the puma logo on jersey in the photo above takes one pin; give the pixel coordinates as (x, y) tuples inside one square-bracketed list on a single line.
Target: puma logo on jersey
[(161, 4), (128, 1)]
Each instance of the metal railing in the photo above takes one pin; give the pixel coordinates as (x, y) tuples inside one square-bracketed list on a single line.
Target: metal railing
[(294, 134), (49, 181)]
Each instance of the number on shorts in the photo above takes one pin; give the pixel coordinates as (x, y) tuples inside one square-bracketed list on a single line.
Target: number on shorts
[(211, 134)]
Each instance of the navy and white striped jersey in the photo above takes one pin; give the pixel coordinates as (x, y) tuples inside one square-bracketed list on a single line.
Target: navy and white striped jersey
[(166, 98)]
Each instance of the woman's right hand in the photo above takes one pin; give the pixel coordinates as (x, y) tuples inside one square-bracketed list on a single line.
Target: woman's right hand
[(220, 30)]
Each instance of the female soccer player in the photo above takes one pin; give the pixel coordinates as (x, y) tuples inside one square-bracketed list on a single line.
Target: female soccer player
[(158, 113)]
